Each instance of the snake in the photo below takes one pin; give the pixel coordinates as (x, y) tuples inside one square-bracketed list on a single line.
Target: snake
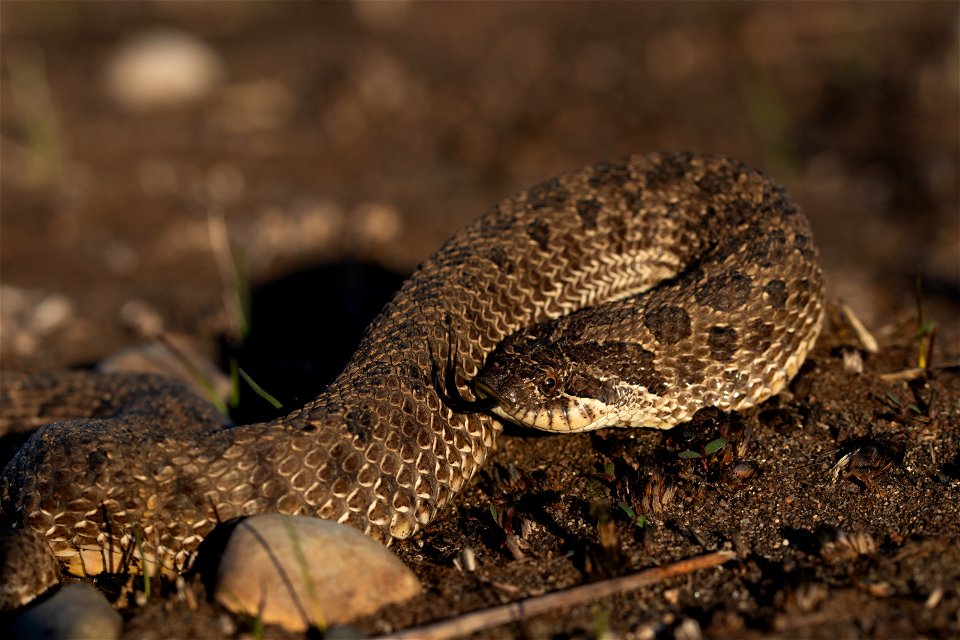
[(626, 293)]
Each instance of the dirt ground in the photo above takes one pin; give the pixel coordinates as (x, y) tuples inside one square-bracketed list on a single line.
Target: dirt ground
[(343, 142)]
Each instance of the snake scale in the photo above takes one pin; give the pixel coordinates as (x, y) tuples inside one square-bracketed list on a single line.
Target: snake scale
[(135, 470)]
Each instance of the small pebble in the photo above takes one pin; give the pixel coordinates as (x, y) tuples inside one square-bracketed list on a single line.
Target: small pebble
[(301, 572), (688, 629), (48, 316), (76, 611), (852, 360), (467, 560)]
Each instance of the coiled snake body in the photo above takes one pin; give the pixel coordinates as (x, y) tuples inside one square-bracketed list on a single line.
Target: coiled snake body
[(153, 470)]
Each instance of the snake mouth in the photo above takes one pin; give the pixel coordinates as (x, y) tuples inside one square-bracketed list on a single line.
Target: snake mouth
[(575, 415), (500, 405)]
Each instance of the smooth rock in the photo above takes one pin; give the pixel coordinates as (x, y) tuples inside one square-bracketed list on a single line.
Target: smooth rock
[(302, 572), (76, 611)]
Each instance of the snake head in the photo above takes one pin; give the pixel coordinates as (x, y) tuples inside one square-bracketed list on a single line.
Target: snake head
[(536, 384)]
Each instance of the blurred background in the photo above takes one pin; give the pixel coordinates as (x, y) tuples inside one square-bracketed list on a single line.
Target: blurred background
[(150, 148)]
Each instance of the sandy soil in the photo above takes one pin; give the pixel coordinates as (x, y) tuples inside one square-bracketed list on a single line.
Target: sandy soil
[(344, 142)]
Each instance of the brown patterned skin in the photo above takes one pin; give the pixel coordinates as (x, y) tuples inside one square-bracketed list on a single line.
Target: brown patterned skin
[(729, 330), (25, 554), (380, 449)]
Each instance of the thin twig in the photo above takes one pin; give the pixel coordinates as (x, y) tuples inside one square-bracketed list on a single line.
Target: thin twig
[(516, 611), (916, 372), (866, 338), (913, 373)]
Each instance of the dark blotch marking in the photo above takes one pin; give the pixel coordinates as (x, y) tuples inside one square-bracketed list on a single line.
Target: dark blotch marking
[(634, 201), (497, 220), (618, 234), (499, 257), (631, 362), (690, 370), (725, 292), (470, 280), (714, 183), (804, 245), (723, 342), (670, 170), (672, 211), (588, 209), (760, 246), (607, 173), (414, 376), (581, 385), (547, 194), (776, 291), (358, 423), (540, 232), (758, 334), (96, 460), (669, 324)]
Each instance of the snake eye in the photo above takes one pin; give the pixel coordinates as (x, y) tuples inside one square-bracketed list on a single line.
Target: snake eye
[(549, 383)]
